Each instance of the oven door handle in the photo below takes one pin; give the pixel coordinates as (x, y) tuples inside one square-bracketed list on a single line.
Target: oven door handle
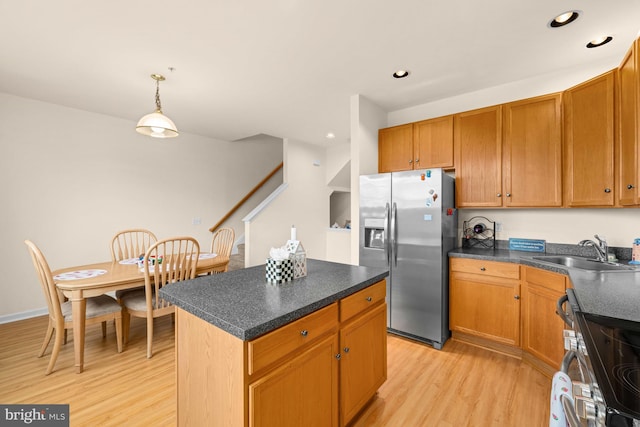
[(566, 361), (569, 412), (560, 311)]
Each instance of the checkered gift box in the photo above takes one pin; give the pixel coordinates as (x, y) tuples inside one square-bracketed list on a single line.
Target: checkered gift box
[(279, 271)]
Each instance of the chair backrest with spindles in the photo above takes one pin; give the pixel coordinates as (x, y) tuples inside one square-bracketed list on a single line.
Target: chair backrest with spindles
[(132, 243), (49, 288), (168, 261), (222, 242)]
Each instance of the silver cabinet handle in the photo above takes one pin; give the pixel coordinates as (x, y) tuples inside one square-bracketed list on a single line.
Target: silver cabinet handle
[(338, 356), (369, 299), (346, 349), (410, 161), (630, 187), (516, 297), (304, 332), (483, 269), (499, 195), (417, 160), (607, 190), (508, 194)]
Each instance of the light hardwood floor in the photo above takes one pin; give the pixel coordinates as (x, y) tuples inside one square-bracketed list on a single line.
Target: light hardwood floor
[(461, 385)]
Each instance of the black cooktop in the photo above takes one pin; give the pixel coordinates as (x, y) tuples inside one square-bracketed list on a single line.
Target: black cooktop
[(613, 346)]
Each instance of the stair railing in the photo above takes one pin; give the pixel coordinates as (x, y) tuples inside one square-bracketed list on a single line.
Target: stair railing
[(247, 197)]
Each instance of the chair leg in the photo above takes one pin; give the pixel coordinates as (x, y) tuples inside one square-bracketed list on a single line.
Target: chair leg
[(104, 329), (118, 324), (149, 335), (65, 336), (47, 339), (126, 323), (57, 343)]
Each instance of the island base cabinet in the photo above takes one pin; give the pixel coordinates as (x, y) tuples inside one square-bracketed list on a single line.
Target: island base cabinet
[(363, 363), (302, 392), (210, 374)]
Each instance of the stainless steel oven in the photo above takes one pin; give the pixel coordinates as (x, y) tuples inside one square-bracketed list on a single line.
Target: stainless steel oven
[(602, 360)]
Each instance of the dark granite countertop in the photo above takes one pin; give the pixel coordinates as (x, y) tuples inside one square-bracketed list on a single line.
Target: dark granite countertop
[(608, 293), (244, 304)]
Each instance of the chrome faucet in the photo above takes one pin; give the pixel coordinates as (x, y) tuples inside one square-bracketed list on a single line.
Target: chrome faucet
[(601, 247)]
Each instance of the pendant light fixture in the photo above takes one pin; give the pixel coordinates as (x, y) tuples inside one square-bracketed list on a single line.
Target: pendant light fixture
[(157, 124)]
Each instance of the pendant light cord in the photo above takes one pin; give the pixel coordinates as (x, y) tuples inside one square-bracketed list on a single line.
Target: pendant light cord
[(158, 105)]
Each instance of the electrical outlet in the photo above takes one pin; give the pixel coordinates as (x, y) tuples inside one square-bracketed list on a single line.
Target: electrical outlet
[(196, 220), (498, 227)]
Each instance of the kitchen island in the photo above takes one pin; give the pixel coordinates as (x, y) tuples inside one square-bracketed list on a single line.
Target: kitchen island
[(307, 352)]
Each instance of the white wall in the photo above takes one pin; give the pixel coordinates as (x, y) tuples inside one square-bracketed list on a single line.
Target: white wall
[(619, 226), (366, 118), (305, 204), (71, 179)]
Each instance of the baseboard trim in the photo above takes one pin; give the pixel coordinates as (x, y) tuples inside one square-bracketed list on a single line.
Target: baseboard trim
[(8, 318)]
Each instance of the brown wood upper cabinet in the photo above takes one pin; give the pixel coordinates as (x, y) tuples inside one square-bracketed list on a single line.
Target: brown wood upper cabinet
[(532, 152), (425, 144), (628, 147), (478, 157), (589, 142), (395, 149)]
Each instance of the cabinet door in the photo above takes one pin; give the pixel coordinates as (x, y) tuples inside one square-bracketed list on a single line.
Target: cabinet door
[(478, 158), (395, 149), (485, 307), (301, 392), (628, 127), (532, 157), (542, 328), (433, 143), (363, 365), (588, 142)]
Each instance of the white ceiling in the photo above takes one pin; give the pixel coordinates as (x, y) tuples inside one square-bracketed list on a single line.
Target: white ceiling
[(288, 68)]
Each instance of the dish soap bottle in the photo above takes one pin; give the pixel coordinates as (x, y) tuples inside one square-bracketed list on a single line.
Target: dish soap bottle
[(635, 252)]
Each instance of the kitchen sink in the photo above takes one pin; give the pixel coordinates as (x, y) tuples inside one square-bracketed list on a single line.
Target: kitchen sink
[(583, 263)]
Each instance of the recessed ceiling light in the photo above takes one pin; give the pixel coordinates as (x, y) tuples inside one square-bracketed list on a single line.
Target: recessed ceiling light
[(400, 74), (564, 19), (331, 135), (599, 41)]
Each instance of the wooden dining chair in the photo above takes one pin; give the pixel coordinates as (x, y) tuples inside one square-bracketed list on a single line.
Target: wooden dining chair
[(99, 309), (221, 244), (166, 262), (131, 243), (128, 244)]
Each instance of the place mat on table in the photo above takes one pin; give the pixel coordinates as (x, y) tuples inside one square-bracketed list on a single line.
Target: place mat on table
[(130, 261), (207, 255), (79, 274)]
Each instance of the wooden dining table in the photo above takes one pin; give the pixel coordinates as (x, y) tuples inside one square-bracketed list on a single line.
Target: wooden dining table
[(117, 275)]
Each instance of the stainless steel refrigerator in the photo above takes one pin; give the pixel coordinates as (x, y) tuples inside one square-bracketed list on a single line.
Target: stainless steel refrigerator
[(408, 223)]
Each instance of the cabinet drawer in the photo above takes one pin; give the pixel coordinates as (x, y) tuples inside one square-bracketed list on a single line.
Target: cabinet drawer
[(506, 270), (546, 279), (275, 345), (361, 300)]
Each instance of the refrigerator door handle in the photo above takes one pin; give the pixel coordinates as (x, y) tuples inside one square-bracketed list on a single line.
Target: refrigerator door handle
[(394, 230), (387, 235)]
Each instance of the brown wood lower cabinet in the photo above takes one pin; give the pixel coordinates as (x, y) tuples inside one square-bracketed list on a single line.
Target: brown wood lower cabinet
[(485, 302), (508, 307), (301, 392), (319, 370), (541, 327)]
